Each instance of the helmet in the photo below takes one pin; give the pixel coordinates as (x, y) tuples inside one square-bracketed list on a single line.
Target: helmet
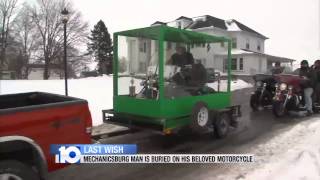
[(304, 62)]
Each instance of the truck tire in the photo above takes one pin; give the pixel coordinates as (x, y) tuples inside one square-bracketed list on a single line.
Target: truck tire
[(15, 170), (200, 117), (222, 125)]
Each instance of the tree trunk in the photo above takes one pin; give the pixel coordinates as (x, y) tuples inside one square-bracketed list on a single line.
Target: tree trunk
[(46, 70)]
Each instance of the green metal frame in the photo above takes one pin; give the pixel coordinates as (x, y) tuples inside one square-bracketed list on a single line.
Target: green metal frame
[(170, 113)]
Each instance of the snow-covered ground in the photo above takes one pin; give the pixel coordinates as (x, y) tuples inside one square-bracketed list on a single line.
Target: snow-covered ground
[(97, 90), (291, 155), (235, 85)]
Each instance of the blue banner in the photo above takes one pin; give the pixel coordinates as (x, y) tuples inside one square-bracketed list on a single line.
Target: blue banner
[(96, 149)]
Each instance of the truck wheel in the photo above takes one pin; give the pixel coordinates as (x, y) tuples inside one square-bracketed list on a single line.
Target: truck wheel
[(200, 117), (278, 109), (15, 170), (222, 125)]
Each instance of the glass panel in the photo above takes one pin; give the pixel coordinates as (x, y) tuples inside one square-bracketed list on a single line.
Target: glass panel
[(138, 67), (194, 69), (234, 64), (241, 64)]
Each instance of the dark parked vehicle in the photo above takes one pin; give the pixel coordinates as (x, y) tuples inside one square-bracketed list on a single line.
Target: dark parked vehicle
[(289, 95), (265, 91)]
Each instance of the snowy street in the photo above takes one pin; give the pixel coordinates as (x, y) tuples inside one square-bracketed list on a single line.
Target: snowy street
[(286, 148)]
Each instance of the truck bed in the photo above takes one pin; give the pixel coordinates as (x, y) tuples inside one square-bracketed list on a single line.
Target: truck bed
[(32, 100)]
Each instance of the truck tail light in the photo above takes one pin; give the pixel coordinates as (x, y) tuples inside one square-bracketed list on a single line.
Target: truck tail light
[(88, 122), (88, 130)]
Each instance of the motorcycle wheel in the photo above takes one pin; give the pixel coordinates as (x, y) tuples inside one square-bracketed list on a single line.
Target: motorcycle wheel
[(254, 102), (278, 109)]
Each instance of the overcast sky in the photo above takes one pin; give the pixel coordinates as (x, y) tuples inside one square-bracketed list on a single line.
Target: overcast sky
[(291, 25)]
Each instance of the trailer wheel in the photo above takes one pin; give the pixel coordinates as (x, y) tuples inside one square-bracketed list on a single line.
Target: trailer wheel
[(15, 170), (200, 117), (222, 125)]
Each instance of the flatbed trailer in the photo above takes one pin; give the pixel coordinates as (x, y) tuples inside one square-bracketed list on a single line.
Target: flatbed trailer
[(152, 92)]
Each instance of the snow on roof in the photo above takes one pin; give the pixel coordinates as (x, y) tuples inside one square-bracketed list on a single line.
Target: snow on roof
[(184, 17), (247, 52), (232, 25), (235, 52), (210, 21)]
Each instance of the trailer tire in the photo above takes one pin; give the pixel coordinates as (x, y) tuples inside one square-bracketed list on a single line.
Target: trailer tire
[(200, 117), (12, 169), (222, 125)]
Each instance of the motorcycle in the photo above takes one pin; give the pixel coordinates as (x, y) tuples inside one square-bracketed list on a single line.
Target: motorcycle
[(264, 93), (288, 95)]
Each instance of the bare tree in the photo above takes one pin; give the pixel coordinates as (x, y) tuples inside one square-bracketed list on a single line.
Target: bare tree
[(27, 37), (77, 61), (47, 18), (7, 8)]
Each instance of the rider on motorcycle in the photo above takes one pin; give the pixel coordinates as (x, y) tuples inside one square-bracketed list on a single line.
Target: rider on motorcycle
[(316, 68), (277, 69), (309, 74)]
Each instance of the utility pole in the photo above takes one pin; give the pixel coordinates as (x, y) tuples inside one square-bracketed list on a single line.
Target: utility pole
[(65, 19)]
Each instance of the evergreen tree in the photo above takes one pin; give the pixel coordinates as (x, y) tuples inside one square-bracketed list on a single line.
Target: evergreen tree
[(100, 46)]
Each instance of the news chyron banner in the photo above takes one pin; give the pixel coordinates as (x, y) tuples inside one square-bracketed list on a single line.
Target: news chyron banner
[(128, 153)]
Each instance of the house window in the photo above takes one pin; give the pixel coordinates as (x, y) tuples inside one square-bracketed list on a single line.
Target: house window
[(179, 24), (247, 44), (234, 42), (157, 47), (234, 64), (241, 64), (225, 65), (169, 45), (142, 67), (259, 46), (143, 46)]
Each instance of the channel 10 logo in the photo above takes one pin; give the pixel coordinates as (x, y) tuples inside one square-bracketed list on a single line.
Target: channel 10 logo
[(68, 154)]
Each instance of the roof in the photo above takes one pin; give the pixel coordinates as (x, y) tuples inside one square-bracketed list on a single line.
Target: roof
[(246, 28), (183, 17), (234, 52), (172, 34), (158, 23), (248, 52), (210, 21)]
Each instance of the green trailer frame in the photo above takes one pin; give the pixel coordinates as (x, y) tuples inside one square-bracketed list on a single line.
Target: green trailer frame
[(163, 114)]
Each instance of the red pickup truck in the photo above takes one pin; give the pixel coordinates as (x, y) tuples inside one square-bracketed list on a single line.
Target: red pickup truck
[(29, 123)]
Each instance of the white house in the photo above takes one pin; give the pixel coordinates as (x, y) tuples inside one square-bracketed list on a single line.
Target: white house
[(36, 72), (248, 49)]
